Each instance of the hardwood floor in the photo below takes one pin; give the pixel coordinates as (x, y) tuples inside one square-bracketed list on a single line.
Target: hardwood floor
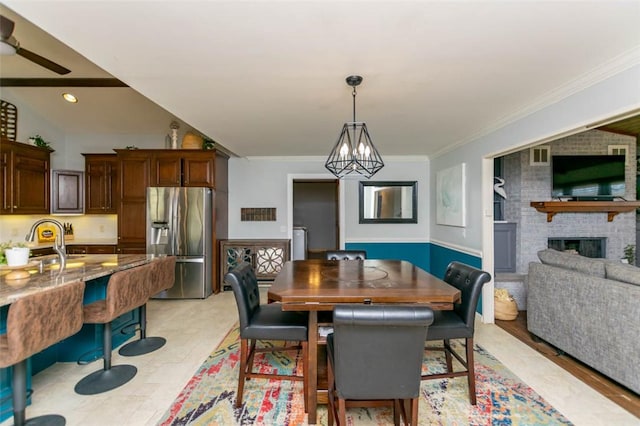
[(622, 396)]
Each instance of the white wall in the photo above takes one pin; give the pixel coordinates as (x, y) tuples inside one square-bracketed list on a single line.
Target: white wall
[(262, 182), (69, 147), (613, 96)]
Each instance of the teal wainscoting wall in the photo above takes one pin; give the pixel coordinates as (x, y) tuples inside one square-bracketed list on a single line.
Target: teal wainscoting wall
[(416, 253), (433, 258), (441, 257)]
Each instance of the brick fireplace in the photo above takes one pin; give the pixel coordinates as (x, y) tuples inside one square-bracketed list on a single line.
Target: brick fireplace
[(583, 232), (588, 247)]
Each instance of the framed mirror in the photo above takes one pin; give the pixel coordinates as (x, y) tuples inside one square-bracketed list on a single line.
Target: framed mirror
[(389, 202)]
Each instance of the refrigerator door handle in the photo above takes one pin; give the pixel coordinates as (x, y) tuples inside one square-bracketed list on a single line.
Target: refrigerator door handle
[(183, 259)]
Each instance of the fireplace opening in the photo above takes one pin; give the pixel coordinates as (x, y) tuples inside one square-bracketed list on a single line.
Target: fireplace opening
[(588, 246)]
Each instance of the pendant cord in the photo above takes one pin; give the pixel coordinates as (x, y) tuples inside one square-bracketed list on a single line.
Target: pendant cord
[(354, 104)]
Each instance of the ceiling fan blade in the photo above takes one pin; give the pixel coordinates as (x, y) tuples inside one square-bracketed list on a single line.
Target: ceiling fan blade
[(44, 62), (6, 27)]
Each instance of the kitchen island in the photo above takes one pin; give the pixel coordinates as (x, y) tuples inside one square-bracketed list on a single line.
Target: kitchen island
[(44, 274)]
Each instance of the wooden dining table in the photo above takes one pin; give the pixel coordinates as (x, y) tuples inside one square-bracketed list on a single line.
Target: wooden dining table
[(318, 285)]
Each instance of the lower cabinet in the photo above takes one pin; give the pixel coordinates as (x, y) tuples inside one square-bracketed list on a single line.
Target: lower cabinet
[(91, 249), (266, 256), (42, 251), (504, 246)]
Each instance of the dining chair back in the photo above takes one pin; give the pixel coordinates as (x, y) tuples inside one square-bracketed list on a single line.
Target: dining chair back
[(264, 322), (346, 255), (375, 353), (459, 323)]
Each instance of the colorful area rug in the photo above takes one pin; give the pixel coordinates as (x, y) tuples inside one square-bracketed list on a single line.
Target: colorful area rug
[(209, 397)]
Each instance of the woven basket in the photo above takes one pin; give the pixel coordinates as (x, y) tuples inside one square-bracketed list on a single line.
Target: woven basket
[(192, 141), (505, 310)]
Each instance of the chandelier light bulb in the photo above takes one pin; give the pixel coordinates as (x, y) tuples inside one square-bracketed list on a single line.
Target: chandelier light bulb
[(344, 151)]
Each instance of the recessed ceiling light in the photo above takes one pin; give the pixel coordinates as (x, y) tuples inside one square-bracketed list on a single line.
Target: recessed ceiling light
[(70, 98)]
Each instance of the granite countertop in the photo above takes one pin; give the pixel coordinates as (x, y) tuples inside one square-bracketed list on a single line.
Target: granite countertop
[(79, 268)]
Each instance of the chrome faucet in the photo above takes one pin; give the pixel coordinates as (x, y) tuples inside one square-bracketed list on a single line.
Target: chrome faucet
[(57, 247)]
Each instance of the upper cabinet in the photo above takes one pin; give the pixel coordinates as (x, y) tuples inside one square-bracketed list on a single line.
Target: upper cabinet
[(25, 178), (67, 192), (183, 168), (101, 174), (142, 168)]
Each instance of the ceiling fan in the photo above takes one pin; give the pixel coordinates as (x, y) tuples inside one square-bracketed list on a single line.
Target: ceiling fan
[(9, 46)]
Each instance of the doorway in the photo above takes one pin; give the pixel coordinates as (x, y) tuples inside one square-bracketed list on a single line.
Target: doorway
[(315, 216)]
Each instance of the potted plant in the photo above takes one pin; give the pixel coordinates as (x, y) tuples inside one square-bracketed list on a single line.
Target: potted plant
[(14, 254), (630, 254), (37, 140)]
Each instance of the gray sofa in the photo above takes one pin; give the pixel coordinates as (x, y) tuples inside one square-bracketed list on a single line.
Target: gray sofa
[(590, 309)]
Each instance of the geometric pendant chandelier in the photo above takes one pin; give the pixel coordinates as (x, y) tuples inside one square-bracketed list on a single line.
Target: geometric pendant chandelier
[(354, 153)]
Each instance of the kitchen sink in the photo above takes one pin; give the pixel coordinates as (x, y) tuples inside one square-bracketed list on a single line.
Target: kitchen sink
[(52, 261), (53, 258)]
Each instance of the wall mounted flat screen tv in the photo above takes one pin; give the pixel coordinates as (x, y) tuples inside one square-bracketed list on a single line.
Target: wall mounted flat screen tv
[(588, 177)]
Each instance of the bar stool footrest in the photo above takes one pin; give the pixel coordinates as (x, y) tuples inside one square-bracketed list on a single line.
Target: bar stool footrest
[(105, 380), (46, 420), (142, 346)]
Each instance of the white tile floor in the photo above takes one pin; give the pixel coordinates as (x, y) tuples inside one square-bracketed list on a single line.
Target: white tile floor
[(193, 328)]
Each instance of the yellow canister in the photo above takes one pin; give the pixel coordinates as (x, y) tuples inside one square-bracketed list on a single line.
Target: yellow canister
[(46, 233)]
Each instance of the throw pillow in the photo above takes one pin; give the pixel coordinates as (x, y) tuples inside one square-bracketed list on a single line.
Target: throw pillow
[(574, 262), (621, 272)]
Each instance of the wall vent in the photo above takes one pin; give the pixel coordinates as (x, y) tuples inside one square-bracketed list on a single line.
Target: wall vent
[(619, 150), (539, 156)]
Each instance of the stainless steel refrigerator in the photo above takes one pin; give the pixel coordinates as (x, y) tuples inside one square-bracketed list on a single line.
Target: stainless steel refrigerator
[(179, 223)]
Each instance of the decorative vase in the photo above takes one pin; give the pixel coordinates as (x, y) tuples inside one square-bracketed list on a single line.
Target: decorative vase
[(174, 126), (174, 138)]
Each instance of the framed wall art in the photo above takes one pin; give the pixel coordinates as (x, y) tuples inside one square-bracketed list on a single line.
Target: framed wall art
[(450, 196)]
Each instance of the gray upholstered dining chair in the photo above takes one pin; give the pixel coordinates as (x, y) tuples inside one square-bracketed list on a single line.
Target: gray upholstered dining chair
[(346, 255), (459, 323), (375, 354), (264, 322)]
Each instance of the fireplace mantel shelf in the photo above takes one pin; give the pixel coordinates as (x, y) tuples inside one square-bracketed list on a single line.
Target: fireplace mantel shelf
[(612, 208)]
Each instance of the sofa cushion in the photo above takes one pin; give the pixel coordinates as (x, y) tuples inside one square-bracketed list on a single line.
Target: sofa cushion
[(574, 262), (622, 272)]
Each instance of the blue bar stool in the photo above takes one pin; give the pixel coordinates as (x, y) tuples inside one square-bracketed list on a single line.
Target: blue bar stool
[(125, 291), (163, 276), (34, 323)]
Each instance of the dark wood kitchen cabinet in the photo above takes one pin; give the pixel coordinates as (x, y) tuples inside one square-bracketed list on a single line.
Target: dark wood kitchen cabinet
[(183, 168), (91, 249), (134, 171), (24, 178), (142, 168), (101, 174), (67, 192)]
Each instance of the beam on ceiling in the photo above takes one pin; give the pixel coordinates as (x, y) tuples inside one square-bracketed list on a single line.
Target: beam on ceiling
[(61, 82)]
